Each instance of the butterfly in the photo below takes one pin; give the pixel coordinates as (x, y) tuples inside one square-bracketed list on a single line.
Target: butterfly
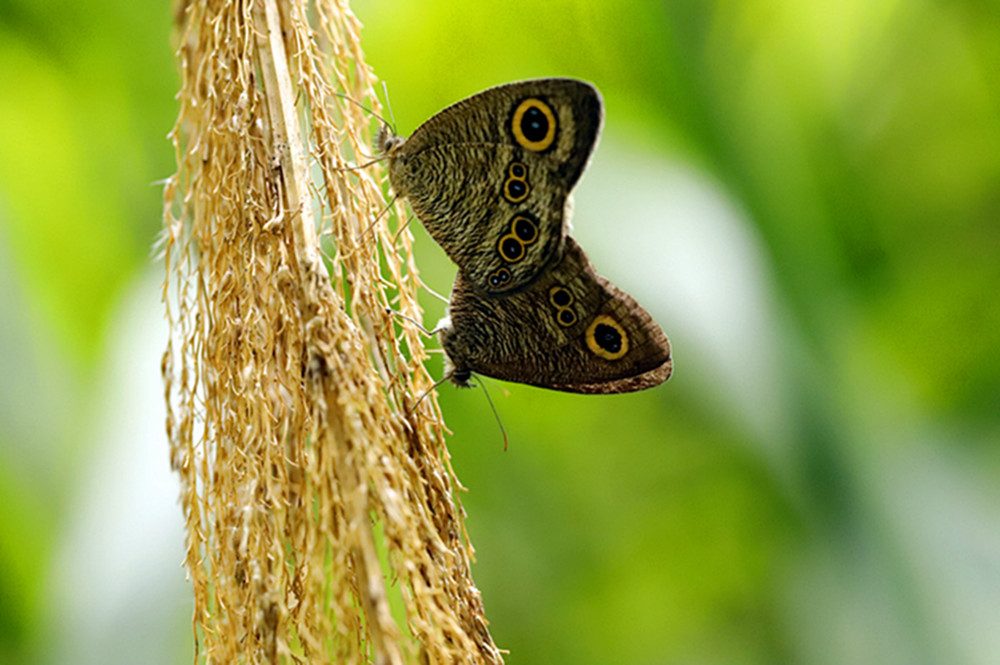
[(490, 178), (571, 330)]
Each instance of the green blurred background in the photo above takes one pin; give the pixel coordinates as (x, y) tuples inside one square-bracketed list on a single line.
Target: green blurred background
[(805, 195)]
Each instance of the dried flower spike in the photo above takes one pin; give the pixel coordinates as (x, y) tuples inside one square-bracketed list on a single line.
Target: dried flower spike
[(307, 479)]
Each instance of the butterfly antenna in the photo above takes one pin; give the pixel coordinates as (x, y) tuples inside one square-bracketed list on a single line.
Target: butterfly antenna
[(358, 167), (388, 104), (506, 393), (385, 123), (495, 414)]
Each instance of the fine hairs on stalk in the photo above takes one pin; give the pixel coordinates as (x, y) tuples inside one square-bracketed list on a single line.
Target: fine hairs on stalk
[(313, 486)]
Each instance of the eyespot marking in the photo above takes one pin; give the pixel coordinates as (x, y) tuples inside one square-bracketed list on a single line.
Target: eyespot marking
[(515, 191), (499, 277), (513, 245), (511, 249), (606, 338), (524, 228), (534, 125), (516, 187), (560, 296)]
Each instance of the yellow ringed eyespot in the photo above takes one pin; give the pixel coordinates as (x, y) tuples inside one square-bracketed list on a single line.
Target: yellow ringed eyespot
[(524, 228), (566, 317), (511, 249), (518, 171), (534, 125), (606, 338), (499, 277), (560, 296), (515, 191)]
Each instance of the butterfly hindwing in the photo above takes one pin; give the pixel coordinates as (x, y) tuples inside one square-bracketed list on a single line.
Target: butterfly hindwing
[(489, 176), (570, 330)]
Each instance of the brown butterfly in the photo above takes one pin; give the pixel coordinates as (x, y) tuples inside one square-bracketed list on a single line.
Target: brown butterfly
[(570, 330), (490, 178)]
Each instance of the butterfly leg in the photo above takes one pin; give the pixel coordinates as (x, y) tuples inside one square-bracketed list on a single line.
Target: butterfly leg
[(418, 324), (375, 221)]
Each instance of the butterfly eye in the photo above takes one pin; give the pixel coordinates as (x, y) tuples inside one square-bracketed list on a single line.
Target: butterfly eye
[(606, 338), (525, 229), (534, 125)]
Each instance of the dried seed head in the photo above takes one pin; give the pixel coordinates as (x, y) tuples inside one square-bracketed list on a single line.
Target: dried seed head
[(285, 378)]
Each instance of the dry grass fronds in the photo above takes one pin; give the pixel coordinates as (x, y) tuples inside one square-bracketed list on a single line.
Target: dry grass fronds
[(287, 392)]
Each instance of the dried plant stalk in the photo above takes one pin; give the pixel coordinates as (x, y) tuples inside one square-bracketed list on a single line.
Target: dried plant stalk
[(289, 394)]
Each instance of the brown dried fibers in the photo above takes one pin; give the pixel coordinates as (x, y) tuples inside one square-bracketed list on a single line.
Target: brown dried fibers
[(312, 496)]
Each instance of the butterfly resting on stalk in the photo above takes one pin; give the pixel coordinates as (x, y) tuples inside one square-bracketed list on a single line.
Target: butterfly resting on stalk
[(490, 179)]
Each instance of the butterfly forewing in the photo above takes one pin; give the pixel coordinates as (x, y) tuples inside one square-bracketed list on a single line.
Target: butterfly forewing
[(489, 176)]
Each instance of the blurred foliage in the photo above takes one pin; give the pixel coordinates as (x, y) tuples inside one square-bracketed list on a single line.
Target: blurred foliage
[(83, 116), (858, 141)]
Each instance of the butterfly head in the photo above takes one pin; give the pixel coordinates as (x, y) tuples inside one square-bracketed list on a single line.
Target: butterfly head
[(462, 378), (456, 372), (387, 141)]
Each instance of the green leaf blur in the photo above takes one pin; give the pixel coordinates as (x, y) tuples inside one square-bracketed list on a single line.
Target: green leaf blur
[(806, 196)]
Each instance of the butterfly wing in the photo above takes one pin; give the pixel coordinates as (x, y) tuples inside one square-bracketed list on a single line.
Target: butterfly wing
[(571, 330), (490, 176)]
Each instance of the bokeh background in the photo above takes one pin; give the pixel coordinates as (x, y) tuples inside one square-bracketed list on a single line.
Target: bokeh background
[(806, 195)]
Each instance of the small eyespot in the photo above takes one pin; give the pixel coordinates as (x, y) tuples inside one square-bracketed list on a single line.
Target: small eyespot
[(560, 296), (518, 171), (511, 249), (525, 229), (499, 277), (515, 191), (567, 317), (607, 338), (534, 125)]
